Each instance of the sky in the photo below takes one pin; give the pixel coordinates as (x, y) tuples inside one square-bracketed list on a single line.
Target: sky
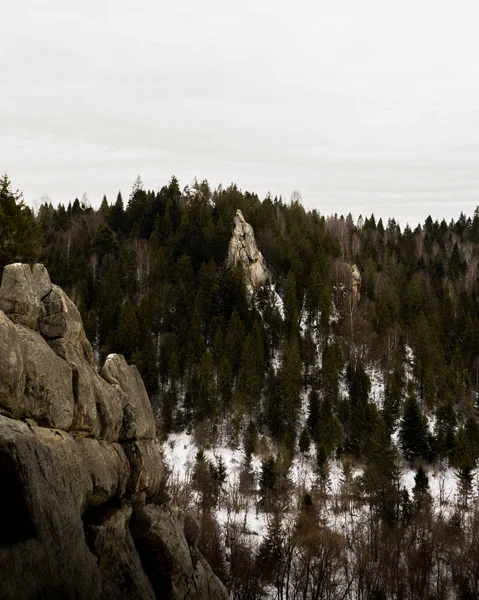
[(364, 107)]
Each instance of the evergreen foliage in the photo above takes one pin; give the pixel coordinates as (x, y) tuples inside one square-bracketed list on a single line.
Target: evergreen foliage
[(18, 231), (151, 280), (413, 431)]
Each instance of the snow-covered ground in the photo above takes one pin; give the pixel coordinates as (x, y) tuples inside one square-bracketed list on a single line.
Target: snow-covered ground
[(242, 513), (377, 386)]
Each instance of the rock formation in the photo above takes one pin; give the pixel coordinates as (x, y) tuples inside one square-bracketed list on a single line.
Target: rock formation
[(356, 284), (243, 250), (81, 474)]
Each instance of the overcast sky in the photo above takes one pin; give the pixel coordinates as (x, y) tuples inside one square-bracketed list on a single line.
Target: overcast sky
[(361, 105)]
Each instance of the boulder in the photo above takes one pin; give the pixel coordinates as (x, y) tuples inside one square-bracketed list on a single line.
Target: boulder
[(191, 529), (176, 571), (34, 382), (138, 420), (109, 539), (43, 553), (106, 471), (98, 405), (71, 494), (85, 415), (41, 280), (50, 481), (60, 318), (48, 393), (243, 250), (19, 297), (65, 530)]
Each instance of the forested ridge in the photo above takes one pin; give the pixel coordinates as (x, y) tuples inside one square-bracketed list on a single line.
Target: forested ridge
[(293, 363)]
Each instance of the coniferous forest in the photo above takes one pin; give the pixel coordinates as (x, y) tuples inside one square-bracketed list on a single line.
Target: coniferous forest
[(292, 371)]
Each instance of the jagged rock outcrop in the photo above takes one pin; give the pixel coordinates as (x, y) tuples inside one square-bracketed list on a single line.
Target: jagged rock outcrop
[(81, 473), (243, 250), (138, 421), (356, 283), (20, 293)]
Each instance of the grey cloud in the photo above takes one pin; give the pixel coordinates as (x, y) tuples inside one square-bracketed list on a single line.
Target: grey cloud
[(362, 106)]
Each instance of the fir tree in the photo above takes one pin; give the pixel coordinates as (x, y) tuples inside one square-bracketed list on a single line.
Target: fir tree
[(413, 432), (304, 441), (421, 493), (18, 231)]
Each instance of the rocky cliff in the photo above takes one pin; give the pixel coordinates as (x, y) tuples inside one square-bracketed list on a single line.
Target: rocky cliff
[(243, 250), (356, 284), (81, 474)]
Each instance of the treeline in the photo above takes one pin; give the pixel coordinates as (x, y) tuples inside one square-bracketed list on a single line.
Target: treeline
[(150, 277)]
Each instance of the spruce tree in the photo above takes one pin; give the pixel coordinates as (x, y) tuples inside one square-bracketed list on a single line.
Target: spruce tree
[(421, 493), (381, 475), (18, 231), (304, 441), (413, 431)]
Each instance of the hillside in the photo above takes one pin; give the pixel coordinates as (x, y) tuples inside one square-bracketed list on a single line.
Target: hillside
[(314, 379)]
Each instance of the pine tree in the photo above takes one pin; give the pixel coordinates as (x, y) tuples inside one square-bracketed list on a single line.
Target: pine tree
[(381, 477), (128, 334), (116, 217), (413, 432), (313, 412), (18, 231), (271, 551), (206, 397), (393, 392), (323, 471), (421, 493), (251, 373), (291, 318), (328, 429), (304, 441), (250, 440), (290, 384), (464, 461), (268, 483)]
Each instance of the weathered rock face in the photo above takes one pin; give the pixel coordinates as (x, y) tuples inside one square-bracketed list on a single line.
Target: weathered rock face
[(356, 283), (138, 420), (243, 250), (175, 569), (78, 463), (59, 318), (19, 294)]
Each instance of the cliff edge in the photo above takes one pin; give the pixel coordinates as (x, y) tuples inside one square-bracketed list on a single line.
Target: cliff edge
[(81, 473)]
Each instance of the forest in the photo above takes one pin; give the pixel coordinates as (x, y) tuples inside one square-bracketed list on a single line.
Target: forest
[(287, 372)]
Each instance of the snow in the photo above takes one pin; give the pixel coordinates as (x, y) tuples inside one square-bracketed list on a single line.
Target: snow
[(179, 453), (241, 511), (409, 362), (302, 471), (248, 521), (334, 316), (277, 301), (431, 423), (377, 386), (443, 485)]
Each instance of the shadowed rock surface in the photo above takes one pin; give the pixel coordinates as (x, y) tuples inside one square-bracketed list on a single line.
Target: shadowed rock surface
[(81, 473)]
